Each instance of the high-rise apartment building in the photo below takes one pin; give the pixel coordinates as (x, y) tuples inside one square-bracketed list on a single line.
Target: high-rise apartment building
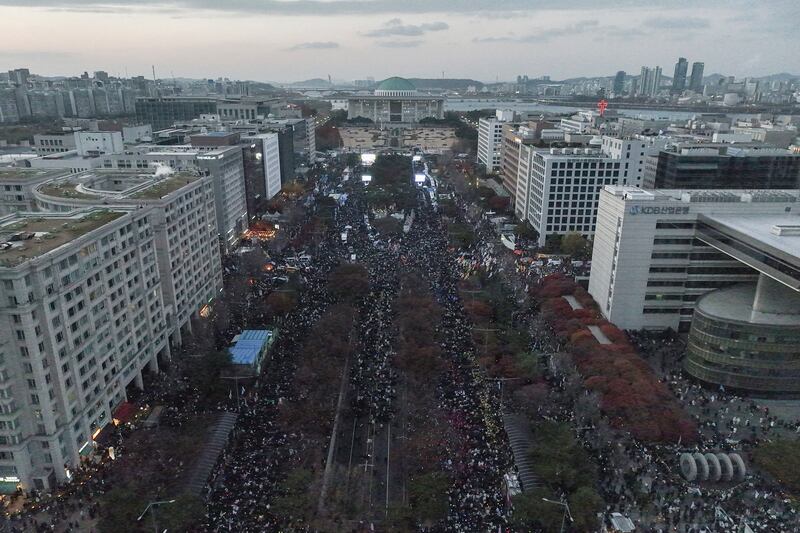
[(223, 163), (679, 76), (619, 83), (649, 82), (696, 79), (17, 185), (490, 140)]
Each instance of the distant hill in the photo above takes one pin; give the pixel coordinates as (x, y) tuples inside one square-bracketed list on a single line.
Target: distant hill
[(313, 82), (444, 83)]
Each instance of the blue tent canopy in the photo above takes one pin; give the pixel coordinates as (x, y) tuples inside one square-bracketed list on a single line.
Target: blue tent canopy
[(249, 345)]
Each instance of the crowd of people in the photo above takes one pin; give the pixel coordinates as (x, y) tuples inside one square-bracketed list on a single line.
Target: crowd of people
[(476, 500), (643, 481)]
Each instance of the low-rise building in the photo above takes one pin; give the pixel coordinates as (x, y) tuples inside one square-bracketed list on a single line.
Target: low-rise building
[(53, 143)]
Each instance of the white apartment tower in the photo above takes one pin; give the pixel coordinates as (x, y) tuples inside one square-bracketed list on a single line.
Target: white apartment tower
[(82, 317), (490, 139), (185, 226)]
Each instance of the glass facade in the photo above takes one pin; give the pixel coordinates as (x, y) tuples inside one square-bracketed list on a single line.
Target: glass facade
[(748, 356)]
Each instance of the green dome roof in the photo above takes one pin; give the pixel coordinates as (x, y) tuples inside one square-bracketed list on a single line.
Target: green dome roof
[(396, 84)]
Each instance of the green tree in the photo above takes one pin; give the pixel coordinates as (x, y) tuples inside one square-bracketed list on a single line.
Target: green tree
[(119, 509), (532, 513), (349, 282), (560, 459), (781, 459), (552, 243), (584, 504), (526, 231), (204, 372), (388, 226), (295, 500), (428, 496), (575, 245)]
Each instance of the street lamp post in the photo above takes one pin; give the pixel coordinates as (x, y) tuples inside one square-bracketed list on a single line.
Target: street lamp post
[(153, 505), (566, 514)]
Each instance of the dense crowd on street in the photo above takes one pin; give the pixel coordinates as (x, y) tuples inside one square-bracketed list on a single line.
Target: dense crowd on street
[(643, 481), (640, 481)]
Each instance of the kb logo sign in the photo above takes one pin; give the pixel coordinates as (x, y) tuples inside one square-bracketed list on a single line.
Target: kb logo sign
[(655, 210)]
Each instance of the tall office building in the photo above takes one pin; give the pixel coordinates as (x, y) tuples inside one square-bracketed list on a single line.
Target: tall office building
[(558, 189), (227, 168), (679, 76), (262, 170), (619, 83), (658, 253), (722, 166), (633, 152), (696, 79)]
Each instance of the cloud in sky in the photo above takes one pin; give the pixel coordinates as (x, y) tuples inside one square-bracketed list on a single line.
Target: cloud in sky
[(486, 8), (315, 45), (546, 34), (342, 37), (399, 44), (396, 27), (677, 23)]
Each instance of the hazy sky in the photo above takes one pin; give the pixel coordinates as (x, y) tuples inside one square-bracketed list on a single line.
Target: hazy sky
[(285, 40)]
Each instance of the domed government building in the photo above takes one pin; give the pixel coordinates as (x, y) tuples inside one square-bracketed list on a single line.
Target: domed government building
[(396, 101)]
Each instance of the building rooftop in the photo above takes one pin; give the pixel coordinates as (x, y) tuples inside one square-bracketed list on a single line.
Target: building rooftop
[(166, 186), (395, 84), (121, 186), (778, 232), (29, 174), (705, 196), (736, 304), (27, 237), (221, 134)]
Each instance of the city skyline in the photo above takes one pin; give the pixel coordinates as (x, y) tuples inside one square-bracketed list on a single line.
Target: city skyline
[(301, 39)]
